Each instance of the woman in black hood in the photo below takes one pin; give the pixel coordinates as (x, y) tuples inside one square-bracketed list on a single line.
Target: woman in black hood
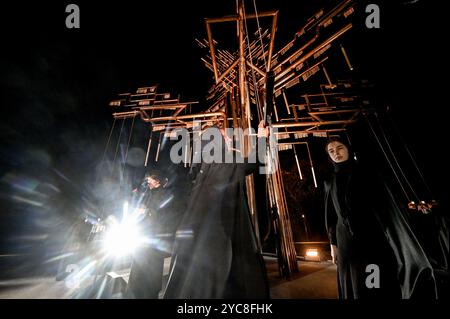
[(376, 253)]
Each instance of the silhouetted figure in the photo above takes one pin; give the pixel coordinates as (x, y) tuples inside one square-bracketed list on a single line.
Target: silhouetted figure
[(366, 227), (216, 254)]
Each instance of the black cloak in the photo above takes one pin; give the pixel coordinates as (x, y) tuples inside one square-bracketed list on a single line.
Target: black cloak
[(163, 205), (368, 226), (216, 252)]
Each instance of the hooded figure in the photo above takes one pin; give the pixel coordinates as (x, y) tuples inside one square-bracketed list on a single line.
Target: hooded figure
[(216, 252), (157, 197), (376, 253)]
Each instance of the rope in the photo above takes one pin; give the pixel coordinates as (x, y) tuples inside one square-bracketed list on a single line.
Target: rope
[(387, 158), (106, 149), (350, 143), (109, 140), (312, 165), (148, 148), (394, 157), (255, 84), (118, 144), (409, 154), (129, 139), (260, 36)]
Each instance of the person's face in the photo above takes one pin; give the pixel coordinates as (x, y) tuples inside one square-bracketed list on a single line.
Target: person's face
[(153, 183), (338, 152)]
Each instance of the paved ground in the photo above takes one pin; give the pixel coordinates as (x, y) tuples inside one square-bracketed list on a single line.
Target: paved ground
[(315, 280)]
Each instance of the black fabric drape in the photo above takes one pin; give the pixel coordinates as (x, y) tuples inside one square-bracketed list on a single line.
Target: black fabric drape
[(163, 207), (368, 226), (216, 253)]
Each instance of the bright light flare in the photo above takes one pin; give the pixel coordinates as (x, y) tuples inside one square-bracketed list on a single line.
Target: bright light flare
[(122, 238)]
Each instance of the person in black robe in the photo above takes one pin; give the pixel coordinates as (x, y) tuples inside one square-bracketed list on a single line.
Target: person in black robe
[(431, 225), (216, 253), (156, 197), (366, 227)]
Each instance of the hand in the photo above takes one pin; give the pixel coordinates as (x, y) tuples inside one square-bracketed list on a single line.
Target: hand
[(334, 253), (262, 130), (142, 187), (140, 210)]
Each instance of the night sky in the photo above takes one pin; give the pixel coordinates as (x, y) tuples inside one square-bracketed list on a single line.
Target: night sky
[(56, 84)]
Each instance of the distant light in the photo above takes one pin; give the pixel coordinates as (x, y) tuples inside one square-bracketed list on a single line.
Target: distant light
[(303, 216), (312, 253)]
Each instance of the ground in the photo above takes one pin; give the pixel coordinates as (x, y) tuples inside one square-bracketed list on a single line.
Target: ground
[(315, 280)]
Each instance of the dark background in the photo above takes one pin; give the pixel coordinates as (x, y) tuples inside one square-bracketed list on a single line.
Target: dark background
[(56, 84)]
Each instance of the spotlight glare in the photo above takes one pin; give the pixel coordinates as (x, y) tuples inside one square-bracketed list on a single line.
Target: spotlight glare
[(122, 238)]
